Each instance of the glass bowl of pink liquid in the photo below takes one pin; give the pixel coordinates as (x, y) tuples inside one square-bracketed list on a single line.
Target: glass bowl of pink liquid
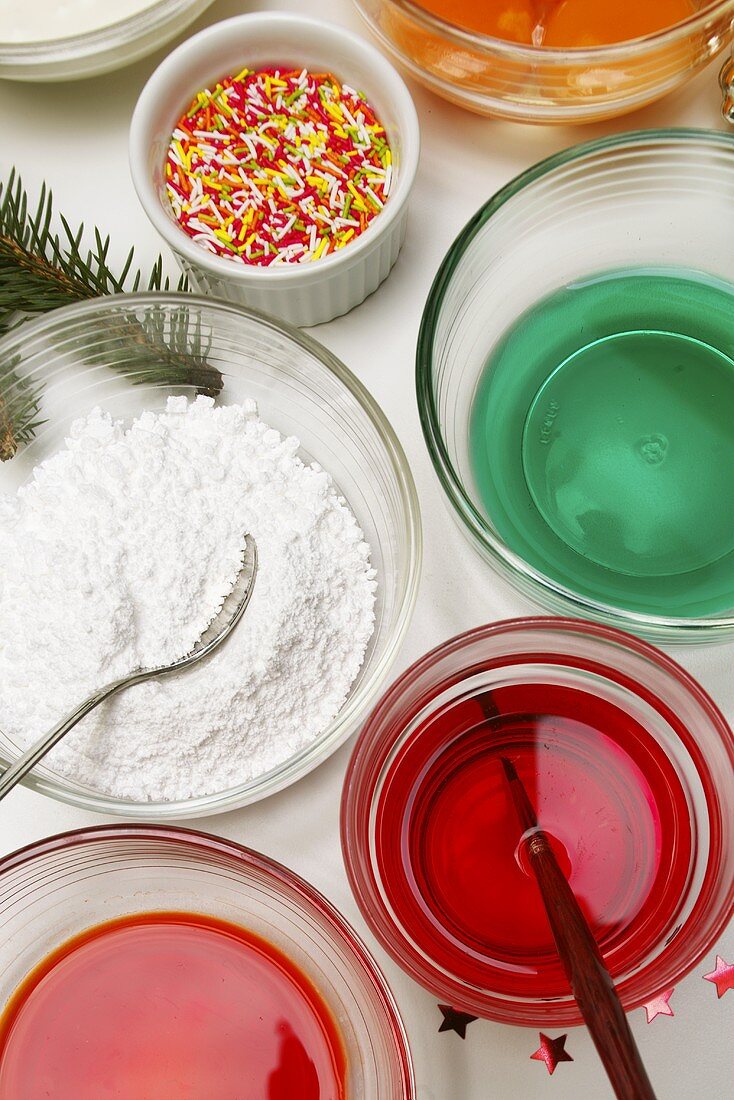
[(630, 768)]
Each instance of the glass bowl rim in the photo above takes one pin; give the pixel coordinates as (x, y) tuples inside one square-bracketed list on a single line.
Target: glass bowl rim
[(341, 727), (665, 628), (616, 51), (85, 44), (363, 882), (278, 875)]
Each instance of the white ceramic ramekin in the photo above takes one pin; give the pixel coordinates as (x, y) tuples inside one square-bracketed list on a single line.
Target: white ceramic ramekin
[(304, 294)]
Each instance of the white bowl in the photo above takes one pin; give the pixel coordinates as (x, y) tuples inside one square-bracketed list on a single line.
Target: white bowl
[(304, 294), (102, 50)]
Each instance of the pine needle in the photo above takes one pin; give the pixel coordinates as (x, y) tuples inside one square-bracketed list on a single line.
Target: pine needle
[(41, 270)]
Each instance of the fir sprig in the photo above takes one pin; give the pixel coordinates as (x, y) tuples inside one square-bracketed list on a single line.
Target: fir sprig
[(41, 269), (19, 409)]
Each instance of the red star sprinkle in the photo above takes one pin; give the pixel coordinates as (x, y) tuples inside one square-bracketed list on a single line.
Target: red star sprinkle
[(551, 1051), (722, 976), (659, 1006), (453, 1020)]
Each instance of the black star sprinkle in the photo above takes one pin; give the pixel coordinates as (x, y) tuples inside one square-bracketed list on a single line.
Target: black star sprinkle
[(453, 1020)]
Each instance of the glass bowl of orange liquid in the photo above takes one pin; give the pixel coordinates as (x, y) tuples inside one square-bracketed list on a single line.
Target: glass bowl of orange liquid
[(146, 961), (551, 61)]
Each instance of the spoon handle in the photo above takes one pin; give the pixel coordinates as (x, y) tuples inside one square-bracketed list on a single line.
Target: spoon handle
[(590, 981), (28, 760), (217, 632), (588, 976)]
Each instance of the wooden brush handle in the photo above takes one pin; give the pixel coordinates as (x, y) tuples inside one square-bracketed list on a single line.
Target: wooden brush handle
[(589, 978)]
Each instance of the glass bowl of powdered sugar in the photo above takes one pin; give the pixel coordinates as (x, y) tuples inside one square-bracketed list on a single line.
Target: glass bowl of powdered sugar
[(142, 436)]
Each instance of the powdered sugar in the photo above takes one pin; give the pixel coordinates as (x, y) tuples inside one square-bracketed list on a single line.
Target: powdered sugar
[(117, 554)]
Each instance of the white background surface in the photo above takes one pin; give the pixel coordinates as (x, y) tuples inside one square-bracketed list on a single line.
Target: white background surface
[(75, 136)]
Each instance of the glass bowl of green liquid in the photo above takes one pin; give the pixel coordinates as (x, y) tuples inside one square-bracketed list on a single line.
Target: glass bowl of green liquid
[(575, 378)]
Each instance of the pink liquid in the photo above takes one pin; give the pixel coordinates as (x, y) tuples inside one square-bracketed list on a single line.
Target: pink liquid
[(448, 839)]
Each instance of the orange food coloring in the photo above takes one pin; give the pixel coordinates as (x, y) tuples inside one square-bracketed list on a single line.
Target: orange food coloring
[(585, 23), (563, 23), (161, 1005), (511, 20)]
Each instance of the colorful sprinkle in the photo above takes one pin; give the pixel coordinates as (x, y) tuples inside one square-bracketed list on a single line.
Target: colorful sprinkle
[(274, 167)]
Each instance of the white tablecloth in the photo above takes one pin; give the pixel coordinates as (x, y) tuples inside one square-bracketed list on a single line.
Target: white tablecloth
[(75, 137)]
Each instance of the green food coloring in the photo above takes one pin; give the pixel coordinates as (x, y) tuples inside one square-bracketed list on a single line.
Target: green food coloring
[(602, 440)]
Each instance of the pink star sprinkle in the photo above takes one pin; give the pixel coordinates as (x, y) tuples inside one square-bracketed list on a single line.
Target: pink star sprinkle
[(658, 1006), (551, 1051), (722, 976)]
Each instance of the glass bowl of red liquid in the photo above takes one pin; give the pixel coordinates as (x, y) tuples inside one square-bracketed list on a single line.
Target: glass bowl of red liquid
[(630, 768), (523, 82), (177, 963)]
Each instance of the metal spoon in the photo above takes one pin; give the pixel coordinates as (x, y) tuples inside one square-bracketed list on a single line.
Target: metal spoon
[(219, 628)]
